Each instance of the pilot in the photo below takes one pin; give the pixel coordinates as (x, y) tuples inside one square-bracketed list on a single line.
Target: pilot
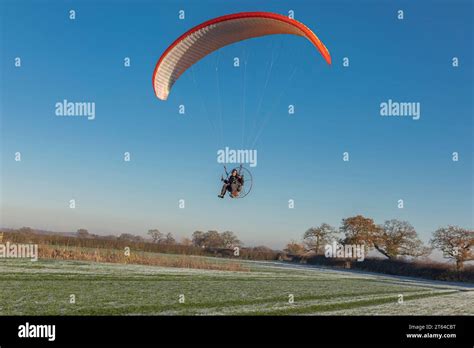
[(233, 184)]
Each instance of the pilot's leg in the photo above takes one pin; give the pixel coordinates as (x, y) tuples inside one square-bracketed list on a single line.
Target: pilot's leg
[(223, 190)]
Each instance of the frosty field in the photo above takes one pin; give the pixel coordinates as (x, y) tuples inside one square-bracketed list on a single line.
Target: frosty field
[(45, 288)]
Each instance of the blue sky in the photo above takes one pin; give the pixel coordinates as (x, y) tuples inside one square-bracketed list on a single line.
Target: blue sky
[(174, 156)]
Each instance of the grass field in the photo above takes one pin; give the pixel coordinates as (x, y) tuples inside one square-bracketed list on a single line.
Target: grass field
[(44, 288)]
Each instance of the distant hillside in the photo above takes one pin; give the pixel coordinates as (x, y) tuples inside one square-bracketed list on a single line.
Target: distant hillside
[(43, 232)]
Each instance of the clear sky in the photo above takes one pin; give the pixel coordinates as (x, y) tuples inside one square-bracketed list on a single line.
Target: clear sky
[(173, 156)]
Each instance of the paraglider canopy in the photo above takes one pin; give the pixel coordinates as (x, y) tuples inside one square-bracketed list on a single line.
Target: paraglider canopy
[(219, 32)]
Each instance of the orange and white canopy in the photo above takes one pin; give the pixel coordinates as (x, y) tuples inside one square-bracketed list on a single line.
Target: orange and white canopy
[(219, 32)]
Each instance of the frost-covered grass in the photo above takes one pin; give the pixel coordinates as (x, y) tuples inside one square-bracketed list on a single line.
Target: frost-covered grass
[(44, 288), (457, 303)]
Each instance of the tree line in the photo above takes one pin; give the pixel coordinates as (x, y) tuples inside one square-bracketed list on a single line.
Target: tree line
[(209, 239), (393, 239), (210, 243)]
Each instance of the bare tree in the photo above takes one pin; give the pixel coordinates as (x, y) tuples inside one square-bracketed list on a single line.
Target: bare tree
[(198, 239), (213, 240), (398, 238), (294, 248), (82, 233), (169, 239), (316, 237), (156, 235), (230, 240), (456, 243)]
